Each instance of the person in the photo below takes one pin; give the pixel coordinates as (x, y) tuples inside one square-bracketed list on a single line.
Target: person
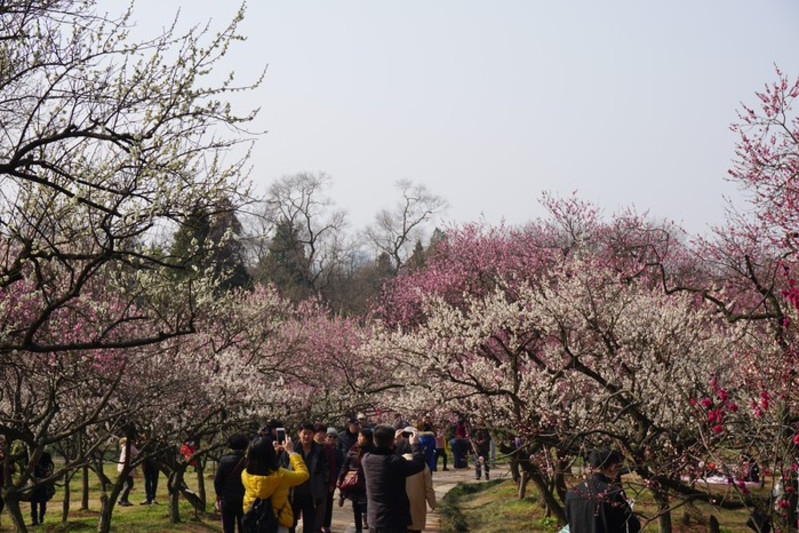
[(459, 444), (363, 421), (402, 436), (357, 494), (427, 440), (124, 461), (385, 473), (481, 444), (325, 507), (420, 494), (440, 451), (335, 460), (151, 473), (348, 437), (227, 483), (309, 495), (42, 491), (187, 453), (599, 505), (264, 478)]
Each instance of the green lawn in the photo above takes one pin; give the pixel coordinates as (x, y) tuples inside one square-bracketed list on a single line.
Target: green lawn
[(134, 519), (494, 507)]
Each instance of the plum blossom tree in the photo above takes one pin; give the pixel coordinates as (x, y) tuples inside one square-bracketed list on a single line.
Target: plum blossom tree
[(106, 143), (563, 333)]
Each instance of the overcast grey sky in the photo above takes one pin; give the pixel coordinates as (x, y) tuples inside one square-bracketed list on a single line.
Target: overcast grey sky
[(489, 103)]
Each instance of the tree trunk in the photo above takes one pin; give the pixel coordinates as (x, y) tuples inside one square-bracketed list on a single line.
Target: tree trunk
[(201, 485), (84, 500), (523, 486), (109, 499), (14, 511), (543, 487), (67, 493), (174, 481), (664, 511), (713, 525)]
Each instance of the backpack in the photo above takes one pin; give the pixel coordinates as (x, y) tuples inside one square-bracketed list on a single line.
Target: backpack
[(260, 517)]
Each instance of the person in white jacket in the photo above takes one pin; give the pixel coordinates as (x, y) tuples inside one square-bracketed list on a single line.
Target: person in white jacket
[(128, 483), (420, 494)]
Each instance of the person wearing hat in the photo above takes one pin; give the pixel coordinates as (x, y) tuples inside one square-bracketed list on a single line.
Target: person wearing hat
[(363, 422), (599, 505), (334, 458)]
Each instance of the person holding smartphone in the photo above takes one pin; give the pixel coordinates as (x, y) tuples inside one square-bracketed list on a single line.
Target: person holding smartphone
[(388, 507)]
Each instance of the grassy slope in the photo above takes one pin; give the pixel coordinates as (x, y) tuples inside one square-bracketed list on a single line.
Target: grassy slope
[(495, 508)]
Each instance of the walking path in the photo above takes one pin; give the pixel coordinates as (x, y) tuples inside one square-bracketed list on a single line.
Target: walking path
[(443, 482)]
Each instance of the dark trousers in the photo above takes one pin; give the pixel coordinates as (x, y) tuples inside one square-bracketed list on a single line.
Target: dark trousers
[(150, 483), (231, 516), (305, 506), (38, 508), (388, 530), (126, 488), (358, 513), (328, 510), (440, 453)]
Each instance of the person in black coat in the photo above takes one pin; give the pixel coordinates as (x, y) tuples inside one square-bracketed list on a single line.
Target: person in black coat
[(385, 472), (227, 483), (42, 492), (599, 505)]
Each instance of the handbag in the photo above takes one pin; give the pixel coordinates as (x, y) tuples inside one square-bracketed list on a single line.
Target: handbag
[(352, 480)]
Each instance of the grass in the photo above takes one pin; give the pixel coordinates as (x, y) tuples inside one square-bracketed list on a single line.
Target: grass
[(134, 519), (494, 507)]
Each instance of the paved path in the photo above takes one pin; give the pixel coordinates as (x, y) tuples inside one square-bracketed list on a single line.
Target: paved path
[(442, 483)]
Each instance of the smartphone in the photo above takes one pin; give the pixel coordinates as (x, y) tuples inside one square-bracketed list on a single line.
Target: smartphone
[(281, 435)]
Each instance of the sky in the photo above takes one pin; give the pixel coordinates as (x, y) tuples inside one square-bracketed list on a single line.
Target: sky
[(491, 103)]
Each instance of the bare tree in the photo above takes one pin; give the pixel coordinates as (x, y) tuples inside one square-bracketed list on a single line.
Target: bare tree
[(397, 230), (304, 232)]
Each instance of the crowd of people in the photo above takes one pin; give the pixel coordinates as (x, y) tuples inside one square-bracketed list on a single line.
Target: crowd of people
[(384, 471)]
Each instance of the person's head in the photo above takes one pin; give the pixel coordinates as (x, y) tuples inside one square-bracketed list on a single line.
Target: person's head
[(353, 425), (384, 436), (361, 418), (606, 461), (320, 433), (272, 426), (261, 457), (306, 433), (365, 438), (239, 441), (331, 436)]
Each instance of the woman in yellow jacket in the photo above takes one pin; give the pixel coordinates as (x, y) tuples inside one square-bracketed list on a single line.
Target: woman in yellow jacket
[(264, 478)]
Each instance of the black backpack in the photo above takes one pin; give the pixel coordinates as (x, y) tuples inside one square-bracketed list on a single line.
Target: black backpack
[(260, 517)]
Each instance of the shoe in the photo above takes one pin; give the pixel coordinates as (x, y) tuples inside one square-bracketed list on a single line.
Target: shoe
[(125, 504), (446, 469), (146, 502), (153, 502), (477, 478), (487, 478)]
